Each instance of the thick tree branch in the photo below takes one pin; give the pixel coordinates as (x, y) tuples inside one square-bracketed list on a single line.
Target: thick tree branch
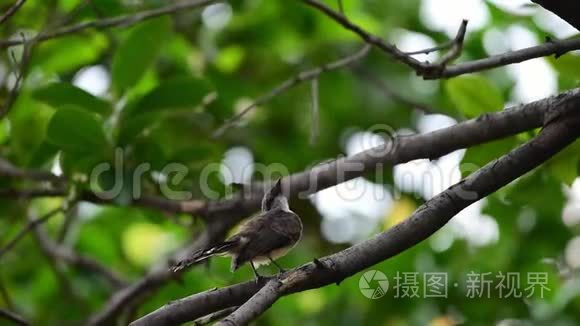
[(223, 214), (488, 127), (441, 69), (214, 317), (427, 219), (179, 311), (124, 21), (255, 306)]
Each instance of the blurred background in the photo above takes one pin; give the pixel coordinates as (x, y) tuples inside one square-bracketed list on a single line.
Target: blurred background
[(159, 90)]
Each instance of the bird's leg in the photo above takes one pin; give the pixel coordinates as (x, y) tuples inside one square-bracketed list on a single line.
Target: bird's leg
[(281, 270), (258, 276)]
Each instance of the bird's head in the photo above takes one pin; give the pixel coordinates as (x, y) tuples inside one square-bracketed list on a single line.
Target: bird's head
[(275, 199)]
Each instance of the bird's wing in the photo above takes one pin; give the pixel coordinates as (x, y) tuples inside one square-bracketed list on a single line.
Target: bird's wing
[(266, 233), (287, 224)]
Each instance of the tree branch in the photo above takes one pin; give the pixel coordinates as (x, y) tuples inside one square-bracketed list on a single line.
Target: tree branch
[(14, 318), (441, 69), (8, 170), (179, 311), (426, 220), (160, 274), (11, 11), (61, 252), (29, 227), (255, 306), (223, 214), (124, 21), (214, 317), (289, 83), (488, 127), (20, 72), (369, 38)]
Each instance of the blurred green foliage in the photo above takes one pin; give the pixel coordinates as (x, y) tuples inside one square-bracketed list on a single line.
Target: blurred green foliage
[(158, 109)]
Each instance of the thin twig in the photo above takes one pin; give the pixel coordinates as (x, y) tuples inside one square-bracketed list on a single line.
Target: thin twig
[(425, 69), (340, 6), (314, 107), (366, 36), (456, 42), (8, 170), (124, 21), (456, 45), (20, 73), (60, 252), (14, 318), (441, 47), (69, 219), (11, 11), (160, 274), (441, 69), (29, 227), (74, 12), (6, 296), (289, 83)]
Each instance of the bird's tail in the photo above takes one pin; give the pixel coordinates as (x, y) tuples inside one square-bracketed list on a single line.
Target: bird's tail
[(204, 254)]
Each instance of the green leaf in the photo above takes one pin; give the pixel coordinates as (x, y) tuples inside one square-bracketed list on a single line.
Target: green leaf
[(477, 156), (28, 124), (60, 94), (563, 166), (540, 191), (68, 53), (474, 95), (185, 93), (76, 130), (567, 65), (43, 154), (138, 52)]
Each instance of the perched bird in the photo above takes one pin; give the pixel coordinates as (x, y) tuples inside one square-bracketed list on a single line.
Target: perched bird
[(262, 239)]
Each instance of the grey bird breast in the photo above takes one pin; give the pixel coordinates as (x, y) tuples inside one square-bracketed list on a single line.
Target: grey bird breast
[(270, 234)]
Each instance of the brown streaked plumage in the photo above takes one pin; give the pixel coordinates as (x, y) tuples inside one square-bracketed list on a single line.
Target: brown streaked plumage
[(262, 239)]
